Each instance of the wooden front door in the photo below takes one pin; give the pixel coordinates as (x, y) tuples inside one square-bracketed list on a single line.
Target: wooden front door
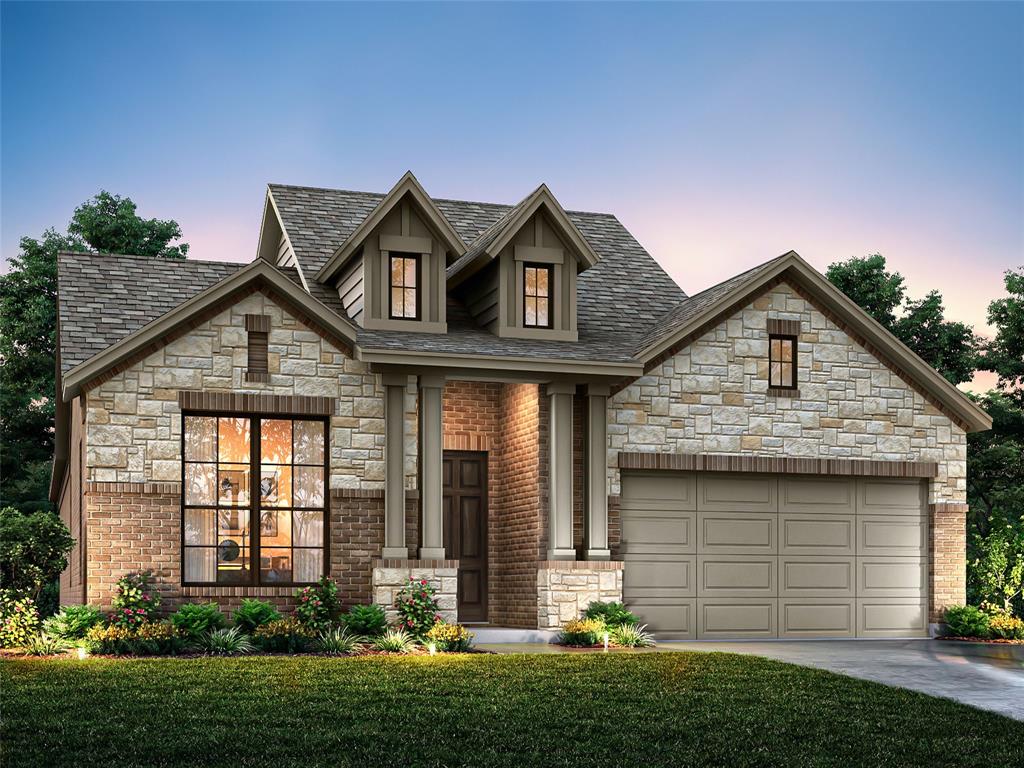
[(465, 528)]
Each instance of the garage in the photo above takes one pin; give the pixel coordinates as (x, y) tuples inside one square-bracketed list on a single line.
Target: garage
[(713, 555)]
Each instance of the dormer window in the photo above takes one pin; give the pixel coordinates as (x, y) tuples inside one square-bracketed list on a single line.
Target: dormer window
[(404, 286), (538, 280)]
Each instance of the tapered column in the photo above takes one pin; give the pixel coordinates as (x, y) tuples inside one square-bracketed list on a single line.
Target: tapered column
[(560, 475), (431, 455), (597, 473), (394, 466)]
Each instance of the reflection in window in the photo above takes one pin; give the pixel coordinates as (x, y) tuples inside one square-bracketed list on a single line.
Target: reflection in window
[(782, 361), (537, 284), (404, 283), (223, 544)]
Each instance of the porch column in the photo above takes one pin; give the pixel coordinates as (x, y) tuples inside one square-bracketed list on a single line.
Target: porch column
[(597, 473), (394, 466), (431, 387), (560, 472)]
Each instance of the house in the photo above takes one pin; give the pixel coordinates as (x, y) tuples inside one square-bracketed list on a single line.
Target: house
[(515, 402)]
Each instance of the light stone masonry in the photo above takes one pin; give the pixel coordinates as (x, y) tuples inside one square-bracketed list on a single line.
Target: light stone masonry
[(564, 592), (389, 581), (712, 397)]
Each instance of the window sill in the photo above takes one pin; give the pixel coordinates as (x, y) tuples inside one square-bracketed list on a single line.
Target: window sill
[(239, 590), (257, 376), (783, 392)]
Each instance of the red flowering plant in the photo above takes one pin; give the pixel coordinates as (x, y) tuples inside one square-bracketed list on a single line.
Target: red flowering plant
[(136, 600), (316, 606), (417, 608)]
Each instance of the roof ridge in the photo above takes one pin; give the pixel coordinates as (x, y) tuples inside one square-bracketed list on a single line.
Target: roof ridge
[(139, 257)]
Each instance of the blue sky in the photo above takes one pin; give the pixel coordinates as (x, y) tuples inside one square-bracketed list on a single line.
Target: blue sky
[(721, 135)]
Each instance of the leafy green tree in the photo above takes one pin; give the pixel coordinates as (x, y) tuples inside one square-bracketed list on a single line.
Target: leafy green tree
[(28, 326), (1005, 354), (948, 346), (33, 550)]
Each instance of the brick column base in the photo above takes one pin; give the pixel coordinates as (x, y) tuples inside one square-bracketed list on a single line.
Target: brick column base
[(566, 588), (390, 576), (947, 566)]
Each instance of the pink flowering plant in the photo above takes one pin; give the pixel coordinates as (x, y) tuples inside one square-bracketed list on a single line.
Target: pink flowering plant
[(316, 606), (136, 600), (417, 609)]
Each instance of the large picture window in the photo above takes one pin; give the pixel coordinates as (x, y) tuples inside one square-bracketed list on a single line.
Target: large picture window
[(254, 499), (538, 280), (404, 286)]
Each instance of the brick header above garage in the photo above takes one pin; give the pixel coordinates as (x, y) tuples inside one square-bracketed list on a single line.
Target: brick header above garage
[(711, 462)]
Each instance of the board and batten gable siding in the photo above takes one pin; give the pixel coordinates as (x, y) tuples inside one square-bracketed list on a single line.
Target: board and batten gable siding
[(133, 420), (712, 397)]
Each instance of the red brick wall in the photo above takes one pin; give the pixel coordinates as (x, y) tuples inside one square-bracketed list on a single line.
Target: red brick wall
[(947, 567), (137, 527)]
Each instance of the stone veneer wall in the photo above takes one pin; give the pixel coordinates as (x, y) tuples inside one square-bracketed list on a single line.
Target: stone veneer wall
[(391, 576), (137, 526), (711, 397), (565, 589), (133, 422)]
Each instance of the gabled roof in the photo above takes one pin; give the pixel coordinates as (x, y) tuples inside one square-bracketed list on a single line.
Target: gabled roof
[(137, 313), (490, 243), (695, 314), (407, 185)]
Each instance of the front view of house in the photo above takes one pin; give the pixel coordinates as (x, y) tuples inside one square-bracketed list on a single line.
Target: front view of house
[(515, 402)]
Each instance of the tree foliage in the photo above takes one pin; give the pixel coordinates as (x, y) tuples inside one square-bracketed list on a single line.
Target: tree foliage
[(865, 280), (33, 550), (28, 334), (1005, 354)]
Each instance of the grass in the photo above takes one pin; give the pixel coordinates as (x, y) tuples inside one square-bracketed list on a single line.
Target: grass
[(665, 709)]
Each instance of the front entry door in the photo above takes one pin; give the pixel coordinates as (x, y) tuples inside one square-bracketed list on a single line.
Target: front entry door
[(465, 528)]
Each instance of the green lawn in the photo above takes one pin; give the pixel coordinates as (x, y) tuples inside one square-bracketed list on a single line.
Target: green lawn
[(671, 709)]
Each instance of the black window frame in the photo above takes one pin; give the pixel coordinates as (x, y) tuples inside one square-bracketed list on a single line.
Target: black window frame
[(255, 509), (792, 339), (550, 269), (416, 257)]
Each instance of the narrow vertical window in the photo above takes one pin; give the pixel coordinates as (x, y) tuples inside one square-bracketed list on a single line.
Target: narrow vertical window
[(538, 282), (258, 328), (782, 362), (404, 286)]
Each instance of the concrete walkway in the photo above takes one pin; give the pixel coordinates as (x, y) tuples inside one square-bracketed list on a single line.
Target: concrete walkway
[(927, 666)]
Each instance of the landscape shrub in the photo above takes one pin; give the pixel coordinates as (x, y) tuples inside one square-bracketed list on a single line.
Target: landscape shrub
[(136, 600), (583, 632), (365, 620), (224, 642), (317, 606), (19, 619), (284, 636), (72, 622), (612, 614), (1006, 627), (395, 640), (196, 619), (417, 608), (338, 642), (253, 613), (33, 550), (452, 638), (966, 621), (631, 636), (151, 638)]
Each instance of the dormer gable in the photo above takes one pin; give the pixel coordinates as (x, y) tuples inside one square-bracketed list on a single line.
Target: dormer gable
[(519, 277), (390, 272)]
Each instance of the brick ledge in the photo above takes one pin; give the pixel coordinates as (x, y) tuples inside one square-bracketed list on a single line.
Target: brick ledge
[(580, 565), (400, 563)]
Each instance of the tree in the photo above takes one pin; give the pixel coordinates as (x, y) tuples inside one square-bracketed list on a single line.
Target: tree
[(1005, 354), (33, 550), (949, 347), (28, 312)]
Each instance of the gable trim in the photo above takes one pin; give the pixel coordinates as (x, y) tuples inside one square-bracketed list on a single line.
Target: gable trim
[(841, 310), (407, 184), (270, 205)]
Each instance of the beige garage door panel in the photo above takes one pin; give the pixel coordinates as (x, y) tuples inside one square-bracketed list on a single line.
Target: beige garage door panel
[(736, 576), (670, 618), (663, 577), (737, 493), (803, 533), (820, 495), (816, 577), (817, 618), (877, 495), (662, 532), (891, 536), (891, 577), (678, 488), (737, 618), (735, 533), (891, 617)]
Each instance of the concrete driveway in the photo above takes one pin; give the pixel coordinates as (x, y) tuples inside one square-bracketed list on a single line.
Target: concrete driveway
[(927, 666)]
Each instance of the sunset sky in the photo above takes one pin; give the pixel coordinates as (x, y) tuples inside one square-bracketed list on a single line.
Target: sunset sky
[(721, 135)]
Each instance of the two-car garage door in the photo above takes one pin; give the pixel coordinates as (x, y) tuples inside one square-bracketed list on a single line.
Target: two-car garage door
[(718, 556)]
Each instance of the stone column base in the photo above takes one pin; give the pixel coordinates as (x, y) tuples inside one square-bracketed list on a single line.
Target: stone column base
[(391, 576), (566, 588)]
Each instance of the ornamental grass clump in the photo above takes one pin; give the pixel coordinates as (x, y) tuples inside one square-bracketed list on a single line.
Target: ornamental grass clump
[(317, 606), (451, 638), (418, 611), (395, 640), (19, 619), (583, 632), (72, 622), (225, 642), (631, 636), (136, 600), (338, 642), (285, 636)]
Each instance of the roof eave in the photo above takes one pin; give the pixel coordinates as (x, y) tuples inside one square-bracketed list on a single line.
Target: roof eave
[(499, 362)]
